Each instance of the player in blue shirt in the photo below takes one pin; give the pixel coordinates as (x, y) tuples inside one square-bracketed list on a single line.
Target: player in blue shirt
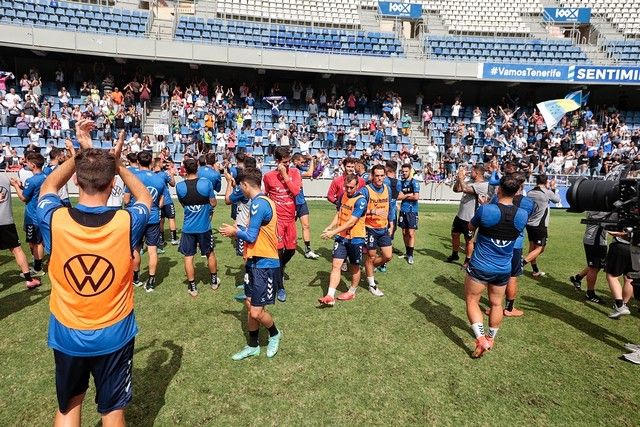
[(209, 171), (529, 207), (56, 158), (198, 200), (155, 184), (261, 255), (348, 228), (105, 352), (499, 226), (302, 210), (29, 195), (408, 222), (168, 209)]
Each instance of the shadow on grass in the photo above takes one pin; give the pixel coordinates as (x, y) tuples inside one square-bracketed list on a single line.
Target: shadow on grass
[(241, 316), (441, 316), (10, 278), (456, 287), (325, 253), (150, 383), (432, 253), (17, 301), (322, 280), (595, 331), (566, 289), (165, 265)]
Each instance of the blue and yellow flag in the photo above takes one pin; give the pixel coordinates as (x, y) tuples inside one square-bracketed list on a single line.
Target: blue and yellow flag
[(552, 111)]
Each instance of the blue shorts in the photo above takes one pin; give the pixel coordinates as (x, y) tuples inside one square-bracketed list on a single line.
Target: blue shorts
[(302, 210), (33, 234), (189, 243), (239, 247), (378, 238), (408, 220), (263, 285), (151, 235), (168, 211), (111, 374), (486, 278), (345, 249), (516, 263)]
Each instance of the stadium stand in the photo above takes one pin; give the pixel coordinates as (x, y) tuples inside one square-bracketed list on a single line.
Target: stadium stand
[(287, 37), (74, 17), (504, 49), (624, 15), (332, 12), (488, 17), (625, 51)]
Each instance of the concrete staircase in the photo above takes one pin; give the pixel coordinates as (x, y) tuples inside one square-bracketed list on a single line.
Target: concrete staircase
[(163, 24), (413, 48), (604, 28), (596, 54), (369, 19), (153, 117), (535, 26), (433, 24)]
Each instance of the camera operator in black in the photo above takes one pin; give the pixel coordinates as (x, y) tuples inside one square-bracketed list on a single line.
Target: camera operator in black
[(595, 249), (619, 264)]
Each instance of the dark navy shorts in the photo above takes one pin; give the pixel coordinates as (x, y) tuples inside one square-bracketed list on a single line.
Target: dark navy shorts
[(408, 220), (486, 278), (378, 238), (189, 243), (302, 210), (263, 285), (151, 235), (111, 374), (33, 233), (461, 226), (516, 263), (168, 211), (344, 249)]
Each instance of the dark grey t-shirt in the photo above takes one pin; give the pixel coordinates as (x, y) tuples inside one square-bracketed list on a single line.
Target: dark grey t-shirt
[(468, 202)]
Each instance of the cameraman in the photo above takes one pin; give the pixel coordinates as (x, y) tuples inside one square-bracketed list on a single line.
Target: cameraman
[(619, 264), (595, 249)]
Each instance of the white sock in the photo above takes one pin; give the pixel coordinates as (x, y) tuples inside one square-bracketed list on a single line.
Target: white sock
[(478, 329), (353, 289), (371, 282), (331, 292), (493, 332)]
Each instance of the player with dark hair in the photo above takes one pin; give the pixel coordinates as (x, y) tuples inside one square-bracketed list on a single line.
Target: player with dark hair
[(209, 169), (348, 227), (334, 194), (29, 195), (263, 260), (282, 186), (472, 193), (168, 209), (302, 210), (537, 226), (392, 181), (197, 197), (408, 222), (56, 157), (155, 185), (498, 226), (92, 324), (378, 197)]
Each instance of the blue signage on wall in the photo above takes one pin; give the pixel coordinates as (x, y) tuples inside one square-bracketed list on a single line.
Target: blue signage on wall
[(559, 73), (572, 15), (399, 9)]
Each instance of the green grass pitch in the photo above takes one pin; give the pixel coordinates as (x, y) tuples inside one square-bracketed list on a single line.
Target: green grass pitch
[(398, 360)]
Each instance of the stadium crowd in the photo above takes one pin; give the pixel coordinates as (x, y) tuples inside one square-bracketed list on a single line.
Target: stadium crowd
[(324, 124)]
